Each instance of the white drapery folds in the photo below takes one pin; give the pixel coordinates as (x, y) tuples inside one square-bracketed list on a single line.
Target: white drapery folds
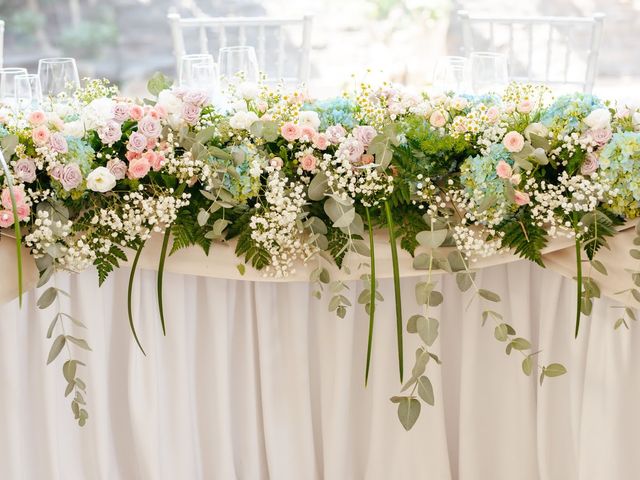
[(259, 380)]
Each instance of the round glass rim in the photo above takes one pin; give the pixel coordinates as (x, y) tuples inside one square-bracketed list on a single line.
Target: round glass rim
[(57, 60), (27, 75), (456, 58), (196, 56), (18, 70), (236, 48), (487, 54)]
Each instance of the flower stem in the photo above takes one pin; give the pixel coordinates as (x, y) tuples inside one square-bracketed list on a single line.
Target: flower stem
[(396, 285), (579, 283), (372, 291)]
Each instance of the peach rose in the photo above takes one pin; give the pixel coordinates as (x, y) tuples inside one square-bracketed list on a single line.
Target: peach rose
[(513, 142), (290, 131), (525, 106), (136, 112), (503, 169), (366, 159), (437, 119), (308, 162), (138, 168), (320, 141), (522, 198), (37, 117), (276, 162), (40, 135)]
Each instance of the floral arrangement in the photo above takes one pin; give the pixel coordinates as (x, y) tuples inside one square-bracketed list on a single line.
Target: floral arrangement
[(451, 178)]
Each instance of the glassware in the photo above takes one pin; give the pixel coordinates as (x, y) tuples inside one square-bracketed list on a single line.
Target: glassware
[(489, 72), (58, 75), (237, 63), (28, 91), (197, 64), (451, 74), (7, 83)]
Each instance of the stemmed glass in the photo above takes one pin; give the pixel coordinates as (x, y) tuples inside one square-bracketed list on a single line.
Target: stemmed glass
[(451, 74), (489, 72), (7, 83), (236, 63), (58, 75), (194, 70), (28, 91)]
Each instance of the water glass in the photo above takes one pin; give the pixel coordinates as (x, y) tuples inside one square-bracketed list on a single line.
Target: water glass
[(28, 91), (451, 74), (238, 62), (7, 83), (195, 65), (489, 72), (58, 75)]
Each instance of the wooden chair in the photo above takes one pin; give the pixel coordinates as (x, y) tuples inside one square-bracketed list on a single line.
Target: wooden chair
[(262, 33), (559, 51)]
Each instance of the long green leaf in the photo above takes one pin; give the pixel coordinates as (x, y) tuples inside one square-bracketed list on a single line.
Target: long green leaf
[(163, 257), (16, 224), (129, 296), (396, 285), (579, 284), (372, 301)]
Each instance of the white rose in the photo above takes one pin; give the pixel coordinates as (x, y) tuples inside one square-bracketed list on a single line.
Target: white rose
[(248, 90), (599, 118), (97, 113), (537, 129), (242, 120), (309, 119), (74, 129), (101, 180), (171, 103), (62, 109)]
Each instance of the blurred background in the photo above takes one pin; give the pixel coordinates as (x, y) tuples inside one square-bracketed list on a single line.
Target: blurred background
[(127, 40)]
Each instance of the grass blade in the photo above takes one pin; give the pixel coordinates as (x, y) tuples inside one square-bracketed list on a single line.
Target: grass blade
[(163, 257), (372, 290), (396, 285), (129, 296)]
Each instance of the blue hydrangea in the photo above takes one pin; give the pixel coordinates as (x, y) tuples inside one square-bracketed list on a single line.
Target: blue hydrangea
[(334, 111), (81, 153), (620, 165), (565, 114), (479, 172)]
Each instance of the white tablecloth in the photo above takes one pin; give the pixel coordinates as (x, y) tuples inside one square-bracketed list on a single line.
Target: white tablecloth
[(259, 381)]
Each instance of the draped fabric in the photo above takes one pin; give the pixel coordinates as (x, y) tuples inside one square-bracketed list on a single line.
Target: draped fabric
[(260, 381)]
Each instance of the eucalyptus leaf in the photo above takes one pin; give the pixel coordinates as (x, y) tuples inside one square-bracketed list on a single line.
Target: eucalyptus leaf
[(79, 342), (408, 412), (425, 390), (489, 295), (428, 330), (431, 238), (47, 298), (554, 370), (56, 348), (527, 366)]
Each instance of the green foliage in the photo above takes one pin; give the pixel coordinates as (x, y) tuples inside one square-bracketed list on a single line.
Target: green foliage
[(600, 226), (106, 263), (338, 244), (253, 253), (409, 225), (187, 232), (524, 236)]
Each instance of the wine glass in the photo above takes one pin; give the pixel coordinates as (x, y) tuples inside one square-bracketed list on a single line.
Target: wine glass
[(197, 63), (238, 64), (7, 83), (28, 91), (451, 74), (489, 72), (58, 75)]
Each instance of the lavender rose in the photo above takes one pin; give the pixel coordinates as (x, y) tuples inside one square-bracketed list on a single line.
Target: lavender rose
[(149, 127), (58, 143), (118, 168), (121, 112), (364, 134), (25, 170), (196, 97), (137, 142), (336, 133), (70, 177), (190, 113), (110, 132), (590, 164), (352, 148), (601, 135)]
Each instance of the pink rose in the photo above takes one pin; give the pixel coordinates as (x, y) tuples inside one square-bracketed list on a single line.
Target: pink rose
[(525, 106), (150, 127), (352, 149), (6, 218), (600, 135), (136, 112), (290, 131), (522, 198), (513, 141), (151, 143), (25, 170), (191, 113), (155, 160), (40, 135), (138, 168), (71, 176), (121, 112), (37, 117), (198, 98), (503, 169), (58, 143), (23, 211), (307, 133), (276, 162), (117, 167), (132, 155), (366, 159), (308, 162), (320, 141), (161, 111), (137, 142), (18, 195), (56, 172), (336, 133), (492, 114), (590, 164), (437, 119), (110, 132), (365, 134)]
